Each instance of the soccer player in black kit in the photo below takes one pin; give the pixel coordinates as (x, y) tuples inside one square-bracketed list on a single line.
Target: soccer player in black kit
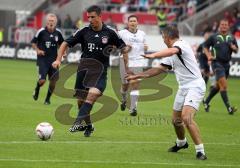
[(46, 42), (96, 41), (223, 44), (203, 60)]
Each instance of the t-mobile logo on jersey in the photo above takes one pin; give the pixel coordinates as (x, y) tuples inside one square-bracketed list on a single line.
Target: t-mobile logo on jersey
[(48, 44), (91, 46)]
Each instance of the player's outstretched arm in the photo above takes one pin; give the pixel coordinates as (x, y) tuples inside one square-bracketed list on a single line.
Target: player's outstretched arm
[(147, 74), (163, 53), (61, 53)]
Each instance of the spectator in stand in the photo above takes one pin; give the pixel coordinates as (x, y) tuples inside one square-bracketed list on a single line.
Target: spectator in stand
[(228, 16), (191, 7), (235, 12), (68, 24), (78, 23), (1, 34), (236, 27), (110, 23), (162, 18), (132, 6), (59, 22), (143, 5), (115, 5), (124, 8), (215, 27)]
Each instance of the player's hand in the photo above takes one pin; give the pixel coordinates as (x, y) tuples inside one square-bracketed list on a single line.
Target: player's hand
[(209, 62), (233, 47), (129, 48), (131, 77), (56, 64), (149, 56), (40, 53), (129, 72)]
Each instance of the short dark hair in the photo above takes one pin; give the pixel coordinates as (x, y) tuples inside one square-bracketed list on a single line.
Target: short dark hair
[(171, 31), (94, 8), (132, 16)]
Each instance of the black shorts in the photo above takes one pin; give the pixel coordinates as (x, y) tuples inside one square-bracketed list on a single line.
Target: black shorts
[(86, 80), (45, 69), (220, 69), (203, 64)]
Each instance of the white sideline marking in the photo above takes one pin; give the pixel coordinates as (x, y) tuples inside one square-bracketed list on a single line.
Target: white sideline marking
[(105, 142), (113, 162)]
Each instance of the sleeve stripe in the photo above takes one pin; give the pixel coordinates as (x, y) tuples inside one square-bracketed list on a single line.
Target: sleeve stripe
[(38, 32), (59, 30), (181, 59), (168, 66), (180, 51)]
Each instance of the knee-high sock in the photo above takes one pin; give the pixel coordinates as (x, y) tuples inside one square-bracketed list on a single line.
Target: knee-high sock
[(134, 94), (51, 88), (199, 148), (84, 113), (38, 86), (212, 93), (225, 98)]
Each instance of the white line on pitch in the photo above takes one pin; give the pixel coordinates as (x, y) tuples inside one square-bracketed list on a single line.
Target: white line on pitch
[(113, 162), (105, 142)]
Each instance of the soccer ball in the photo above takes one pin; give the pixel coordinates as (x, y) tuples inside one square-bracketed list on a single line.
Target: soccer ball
[(44, 131)]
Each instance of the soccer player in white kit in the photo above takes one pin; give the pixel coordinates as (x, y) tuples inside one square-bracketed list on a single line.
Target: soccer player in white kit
[(135, 40), (180, 58)]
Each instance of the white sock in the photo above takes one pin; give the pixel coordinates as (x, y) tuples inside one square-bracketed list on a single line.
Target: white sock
[(134, 94), (181, 143), (199, 148), (124, 95)]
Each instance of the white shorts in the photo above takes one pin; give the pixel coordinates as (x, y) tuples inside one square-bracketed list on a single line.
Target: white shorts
[(189, 97), (123, 72)]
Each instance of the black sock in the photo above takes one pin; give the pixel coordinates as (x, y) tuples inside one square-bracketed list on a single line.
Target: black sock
[(37, 86), (49, 94), (51, 88), (212, 93), (84, 113), (225, 98)]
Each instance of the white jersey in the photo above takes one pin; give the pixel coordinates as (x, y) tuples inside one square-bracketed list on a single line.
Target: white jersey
[(185, 66), (136, 41)]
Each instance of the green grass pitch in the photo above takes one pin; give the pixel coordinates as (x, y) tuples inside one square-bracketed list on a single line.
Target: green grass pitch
[(119, 140)]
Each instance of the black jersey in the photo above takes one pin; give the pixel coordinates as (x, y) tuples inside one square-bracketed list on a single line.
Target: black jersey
[(49, 43), (96, 44), (200, 53), (220, 44)]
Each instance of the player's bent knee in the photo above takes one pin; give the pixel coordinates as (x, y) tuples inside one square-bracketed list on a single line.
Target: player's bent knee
[(41, 82), (93, 95), (187, 120), (95, 91), (177, 122)]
